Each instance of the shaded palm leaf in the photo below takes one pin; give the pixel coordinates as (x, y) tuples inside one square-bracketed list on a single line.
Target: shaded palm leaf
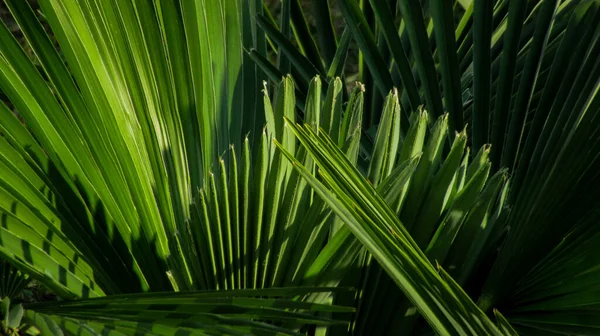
[(260, 312), (12, 281)]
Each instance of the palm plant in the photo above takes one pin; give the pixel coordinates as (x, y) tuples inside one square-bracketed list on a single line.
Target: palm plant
[(144, 165), (109, 230), (107, 188), (520, 75)]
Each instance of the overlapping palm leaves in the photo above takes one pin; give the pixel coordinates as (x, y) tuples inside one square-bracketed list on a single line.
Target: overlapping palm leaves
[(123, 179), (107, 187), (138, 110), (522, 75), (376, 225), (238, 312), (445, 196)]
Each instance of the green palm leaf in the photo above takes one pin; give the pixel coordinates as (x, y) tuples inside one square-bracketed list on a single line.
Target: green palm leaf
[(374, 223)]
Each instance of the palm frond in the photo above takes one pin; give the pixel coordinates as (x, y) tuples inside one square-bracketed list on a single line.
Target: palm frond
[(374, 223)]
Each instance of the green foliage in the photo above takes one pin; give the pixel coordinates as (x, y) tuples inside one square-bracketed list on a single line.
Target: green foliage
[(378, 228), (124, 214), (145, 187), (11, 318), (257, 312), (521, 76), (124, 177), (404, 176), (12, 281)]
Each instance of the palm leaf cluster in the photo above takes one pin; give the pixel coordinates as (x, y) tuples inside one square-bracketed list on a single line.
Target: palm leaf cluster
[(521, 76), (376, 225), (148, 161)]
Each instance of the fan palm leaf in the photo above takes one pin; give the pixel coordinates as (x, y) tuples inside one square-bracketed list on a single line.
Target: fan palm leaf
[(124, 175)]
